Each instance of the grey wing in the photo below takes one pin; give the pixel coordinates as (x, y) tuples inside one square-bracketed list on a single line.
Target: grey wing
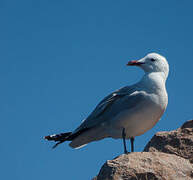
[(125, 96)]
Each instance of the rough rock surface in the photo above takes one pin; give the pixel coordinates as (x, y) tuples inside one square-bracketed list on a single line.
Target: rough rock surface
[(178, 142), (168, 156), (146, 166)]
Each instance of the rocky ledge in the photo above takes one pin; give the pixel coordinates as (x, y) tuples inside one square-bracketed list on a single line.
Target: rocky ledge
[(168, 156)]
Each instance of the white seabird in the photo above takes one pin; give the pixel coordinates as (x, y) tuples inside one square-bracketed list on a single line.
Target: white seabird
[(127, 112)]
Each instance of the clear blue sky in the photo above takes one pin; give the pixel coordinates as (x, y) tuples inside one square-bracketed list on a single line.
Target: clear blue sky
[(58, 59)]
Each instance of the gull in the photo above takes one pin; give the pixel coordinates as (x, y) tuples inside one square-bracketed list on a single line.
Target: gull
[(127, 112)]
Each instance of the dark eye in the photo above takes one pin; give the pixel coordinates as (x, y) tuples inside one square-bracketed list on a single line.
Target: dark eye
[(152, 59)]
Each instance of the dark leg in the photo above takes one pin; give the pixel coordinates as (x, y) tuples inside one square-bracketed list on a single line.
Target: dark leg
[(132, 144), (124, 143)]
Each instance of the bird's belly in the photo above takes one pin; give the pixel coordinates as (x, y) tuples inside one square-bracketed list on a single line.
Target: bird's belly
[(136, 121)]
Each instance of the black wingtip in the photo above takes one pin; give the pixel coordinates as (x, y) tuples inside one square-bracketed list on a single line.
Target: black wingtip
[(53, 147), (47, 138), (57, 144)]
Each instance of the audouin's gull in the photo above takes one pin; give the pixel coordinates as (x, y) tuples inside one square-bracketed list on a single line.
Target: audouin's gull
[(127, 112)]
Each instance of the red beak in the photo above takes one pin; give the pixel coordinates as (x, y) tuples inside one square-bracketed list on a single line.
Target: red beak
[(134, 63)]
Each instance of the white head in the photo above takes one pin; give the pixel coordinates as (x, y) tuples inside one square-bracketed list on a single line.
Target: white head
[(152, 62)]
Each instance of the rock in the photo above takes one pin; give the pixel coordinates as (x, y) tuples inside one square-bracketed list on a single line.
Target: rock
[(146, 166), (168, 156), (178, 142)]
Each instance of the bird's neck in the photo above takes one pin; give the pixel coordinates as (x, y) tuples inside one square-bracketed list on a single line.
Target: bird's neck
[(154, 81)]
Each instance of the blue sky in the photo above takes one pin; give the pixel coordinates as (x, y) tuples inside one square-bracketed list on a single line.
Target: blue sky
[(58, 59)]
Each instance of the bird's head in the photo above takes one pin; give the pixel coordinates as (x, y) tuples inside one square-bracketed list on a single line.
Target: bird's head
[(152, 62)]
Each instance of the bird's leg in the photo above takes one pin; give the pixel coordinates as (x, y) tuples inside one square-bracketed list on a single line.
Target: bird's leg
[(132, 144), (124, 143)]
